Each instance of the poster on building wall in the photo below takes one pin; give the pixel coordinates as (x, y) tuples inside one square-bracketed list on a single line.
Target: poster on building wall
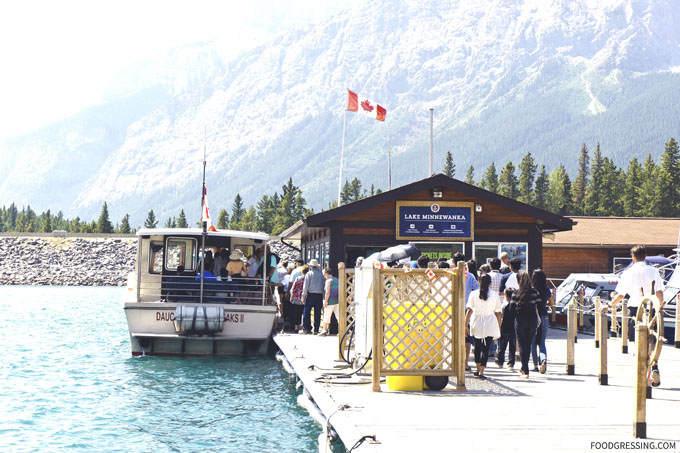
[(435, 220)]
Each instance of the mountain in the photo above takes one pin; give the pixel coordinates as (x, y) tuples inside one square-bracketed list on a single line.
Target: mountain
[(504, 77)]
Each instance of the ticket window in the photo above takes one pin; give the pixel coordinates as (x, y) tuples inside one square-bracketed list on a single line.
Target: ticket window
[(483, 252)]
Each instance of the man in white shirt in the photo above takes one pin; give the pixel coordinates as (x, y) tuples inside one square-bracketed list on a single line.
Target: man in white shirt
[(638, 281)]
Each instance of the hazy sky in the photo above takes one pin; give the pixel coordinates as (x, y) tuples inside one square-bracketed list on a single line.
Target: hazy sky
[(56, 57)]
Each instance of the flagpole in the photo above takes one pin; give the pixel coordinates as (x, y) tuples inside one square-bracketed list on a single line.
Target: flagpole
[(342, 153), (389, 165), (430, 174), (204, 223)]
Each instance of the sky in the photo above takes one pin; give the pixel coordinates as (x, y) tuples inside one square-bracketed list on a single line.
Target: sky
[(58, 57)]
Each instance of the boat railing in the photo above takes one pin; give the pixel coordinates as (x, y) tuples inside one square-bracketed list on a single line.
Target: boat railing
[(187, 289)]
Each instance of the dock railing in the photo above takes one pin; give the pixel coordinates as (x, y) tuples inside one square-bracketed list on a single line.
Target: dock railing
[(418, 323)]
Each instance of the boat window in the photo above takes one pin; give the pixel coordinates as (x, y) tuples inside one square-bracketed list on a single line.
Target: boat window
[(247, 249), (180, 252), (155, 257)]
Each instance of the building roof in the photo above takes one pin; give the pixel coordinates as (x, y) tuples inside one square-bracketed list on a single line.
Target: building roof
[(547, 220), (618, 231)]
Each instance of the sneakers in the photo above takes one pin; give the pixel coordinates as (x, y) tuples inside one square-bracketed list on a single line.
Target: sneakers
[(523, 376), (544, 363), (655, 378), (323, 333), (511, 366), (305, 332), (499, 363)]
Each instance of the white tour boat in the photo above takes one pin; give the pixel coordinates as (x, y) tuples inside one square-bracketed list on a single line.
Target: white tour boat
[(192, 312)]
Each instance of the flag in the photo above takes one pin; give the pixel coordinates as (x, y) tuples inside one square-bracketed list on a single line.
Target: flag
[(358, 103), (205, 217), (431, 275)]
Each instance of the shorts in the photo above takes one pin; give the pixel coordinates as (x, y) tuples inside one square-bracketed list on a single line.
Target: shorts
[(470, 339), (328, 312)]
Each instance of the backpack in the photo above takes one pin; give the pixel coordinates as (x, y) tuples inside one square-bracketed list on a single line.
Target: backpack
[(296, 291)]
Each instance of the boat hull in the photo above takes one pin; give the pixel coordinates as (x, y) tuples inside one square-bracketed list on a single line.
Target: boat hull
[(246, 330)]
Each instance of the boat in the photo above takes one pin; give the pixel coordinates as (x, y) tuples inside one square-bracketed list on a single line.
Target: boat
[(174, 306)]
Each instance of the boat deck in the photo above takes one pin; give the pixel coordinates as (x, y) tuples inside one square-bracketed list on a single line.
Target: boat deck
[(550, 412)]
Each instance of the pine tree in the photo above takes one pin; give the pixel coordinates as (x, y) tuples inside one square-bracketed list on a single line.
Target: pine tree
[(223, 220), (125, 224), (265, 215), (182, 220), (150, 221), (75, 225), (612, 188), (507, 182), (470, 176), (237, 212), (47, 223), (527, 175), (633, 179), (593, 197), (490, 179), (541, 191), (171, 223), (581, 182), (249, 222), (647, 195), (558, 199), (667, 192), (104, 224), (355, 189), (449, 167), (346, 193), (300, 206)]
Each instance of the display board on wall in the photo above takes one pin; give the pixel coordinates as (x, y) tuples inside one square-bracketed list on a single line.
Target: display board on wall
[(435, 220)]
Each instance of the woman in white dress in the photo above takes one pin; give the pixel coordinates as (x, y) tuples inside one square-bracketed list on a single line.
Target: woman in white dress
[(484, 316)]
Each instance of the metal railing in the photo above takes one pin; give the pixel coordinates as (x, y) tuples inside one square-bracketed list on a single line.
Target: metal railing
[(187, 289)]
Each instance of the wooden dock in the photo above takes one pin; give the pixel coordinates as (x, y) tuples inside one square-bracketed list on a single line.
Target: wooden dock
[(550, 412)]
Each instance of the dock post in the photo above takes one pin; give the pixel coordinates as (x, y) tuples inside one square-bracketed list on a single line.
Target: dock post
[(598, 322), (377, 329), (603, 332), (624, 326), (571, 336), (342, 307), (460, 328), (677, 322), (640, 422), (574, 302), (553, 310), (580, 311)]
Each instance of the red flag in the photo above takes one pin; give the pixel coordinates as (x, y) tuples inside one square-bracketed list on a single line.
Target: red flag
[(431, 275), (205, 217), (363, 105)]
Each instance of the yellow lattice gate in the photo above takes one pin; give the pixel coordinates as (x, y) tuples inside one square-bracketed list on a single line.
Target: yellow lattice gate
[(346, 307), (418, 324)]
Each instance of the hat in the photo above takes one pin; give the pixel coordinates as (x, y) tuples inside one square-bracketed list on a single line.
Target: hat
[(236, 255), (313, 263), (291, 265)]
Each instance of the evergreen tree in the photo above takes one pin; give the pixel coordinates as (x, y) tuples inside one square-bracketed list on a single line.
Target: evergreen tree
[(182, 220), (300, 206), (612, 188), (104, 224), (507, 182), (558, 198), (490, 179), (150, 221), (541, 191), (527, 175), (47, 223), (372, 192), (171, 223), (667, 192), (125, 224), (449, 166), (631, 201), (355, 189), (581, 182), (265, 215), (594, 196), (249, 222), (237, 212), (31, 227), (75, 225), (470, 176), (647, 190), (346, 193), (58, 222), (223, 220)]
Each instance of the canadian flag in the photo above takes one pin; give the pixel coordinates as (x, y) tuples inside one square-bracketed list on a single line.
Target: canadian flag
[(431, 275), (205, 217), (358, 103)]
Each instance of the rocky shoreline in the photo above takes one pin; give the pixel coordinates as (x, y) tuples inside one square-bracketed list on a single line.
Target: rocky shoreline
[(74, 261)]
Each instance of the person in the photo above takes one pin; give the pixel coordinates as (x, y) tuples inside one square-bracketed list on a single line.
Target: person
[(472, 268), (539, 352), (253, 263), (312, 297), (330, 301), (525, 299), (358, 262), (508, 338), (296, 289), (485, 268), (495, 274), (638, 281), (236, 268), (505, 266), (207, 275), (484, 316), (423, 261), (509, 280), (471, 284), (220, 262)]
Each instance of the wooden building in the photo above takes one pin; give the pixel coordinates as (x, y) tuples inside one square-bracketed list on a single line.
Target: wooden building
[(602, 244), (440, 215)]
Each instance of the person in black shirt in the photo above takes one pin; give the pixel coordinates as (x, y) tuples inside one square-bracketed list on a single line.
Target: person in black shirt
[(525, 300)]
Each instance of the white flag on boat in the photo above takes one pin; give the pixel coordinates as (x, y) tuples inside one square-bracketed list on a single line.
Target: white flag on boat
[(205, 217)]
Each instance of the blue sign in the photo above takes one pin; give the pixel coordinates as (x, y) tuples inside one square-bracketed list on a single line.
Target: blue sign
[(434, 220)]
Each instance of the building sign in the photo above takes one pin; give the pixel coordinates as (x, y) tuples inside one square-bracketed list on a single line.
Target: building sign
[(435, 220)]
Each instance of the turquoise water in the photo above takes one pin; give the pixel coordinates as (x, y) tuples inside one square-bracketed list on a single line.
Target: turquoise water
[(69, 383)]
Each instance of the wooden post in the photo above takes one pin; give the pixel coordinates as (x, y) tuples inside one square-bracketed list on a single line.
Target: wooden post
[(580, 311), (640, 422), (377, 292), (603, 332), (598, 322), (454, 323), (677, 322), (342, 307), (624, 326), (553, 312), (571, 336), (460, 327), (574, 333)]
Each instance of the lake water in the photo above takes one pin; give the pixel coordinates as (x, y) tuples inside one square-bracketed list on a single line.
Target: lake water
[(69, 383)]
